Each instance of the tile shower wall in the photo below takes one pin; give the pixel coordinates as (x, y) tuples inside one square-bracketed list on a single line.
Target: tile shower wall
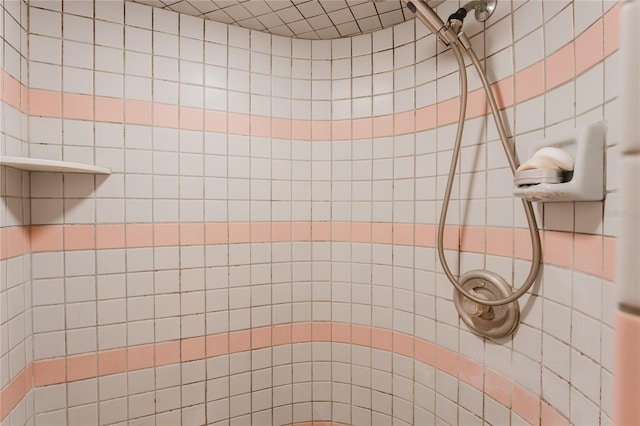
[(16, 343), (264, 250)]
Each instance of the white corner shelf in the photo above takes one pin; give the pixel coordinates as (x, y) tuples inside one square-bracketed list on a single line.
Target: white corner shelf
[(39, 165)]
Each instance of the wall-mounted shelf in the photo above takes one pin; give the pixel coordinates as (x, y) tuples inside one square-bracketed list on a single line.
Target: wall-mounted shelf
[(39, 165), (586, 183)]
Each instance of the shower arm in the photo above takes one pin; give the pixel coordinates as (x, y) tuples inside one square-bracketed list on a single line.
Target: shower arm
[(483, 10)]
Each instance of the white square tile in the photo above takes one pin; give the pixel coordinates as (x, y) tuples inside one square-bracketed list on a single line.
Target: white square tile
[(81, 314), (585, 336), (585, 378), (45, 22), (77, 28), (165, 44), (559, 216), (587, 294), (556, 356), (498, 36), (191, 26), (138, 15), (165, 20), (114, 410), (45, 49), (85, 414), (557, 284), (168, 399), (589, 89), (495, 412), (560, 104), (586, 13), (137, 64), (140, 381), (50, 398), (138, 39), (527, 115), (45, 76), (559, 29), (191, 50), (557, 320), (527, 18)]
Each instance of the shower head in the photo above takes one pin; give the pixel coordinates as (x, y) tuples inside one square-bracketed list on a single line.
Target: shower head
[(425, 14), (431, 20), (451, 31)]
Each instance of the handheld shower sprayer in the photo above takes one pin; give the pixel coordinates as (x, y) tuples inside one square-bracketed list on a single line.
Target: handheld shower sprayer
[(431, 20), (484, 300), (450, 32)]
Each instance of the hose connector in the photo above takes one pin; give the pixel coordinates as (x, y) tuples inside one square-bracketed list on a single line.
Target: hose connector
[(456, 19)]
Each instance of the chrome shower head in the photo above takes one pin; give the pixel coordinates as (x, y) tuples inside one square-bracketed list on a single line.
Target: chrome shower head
[(451, 31), (431, 20), (426, 15)]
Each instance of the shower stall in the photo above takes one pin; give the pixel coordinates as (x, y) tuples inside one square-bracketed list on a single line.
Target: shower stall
[(275, 225)]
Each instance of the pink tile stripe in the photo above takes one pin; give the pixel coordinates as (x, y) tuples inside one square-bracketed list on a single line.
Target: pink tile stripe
[(14, 241), (11, 91), (79, 367), (530, 82), (589, 48), (592, 254), (15, 391), (626, 410), (560, 67), (612, 29)]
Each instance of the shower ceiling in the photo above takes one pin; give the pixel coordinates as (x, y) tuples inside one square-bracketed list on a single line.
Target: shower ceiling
[(310, 19)]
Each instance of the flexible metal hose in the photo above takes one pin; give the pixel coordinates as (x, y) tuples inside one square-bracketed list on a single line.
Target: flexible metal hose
[(452, 171), (531, 220)]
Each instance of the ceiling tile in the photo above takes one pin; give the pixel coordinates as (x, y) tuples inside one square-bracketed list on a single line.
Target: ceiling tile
[(328, 33), (238, 12), (279, 4), (257, 8), (252, 23), (224, 3), (204, 6), (388, 5), (156, 3), (271, 20), (371, 23), (348, 29), (331, 5), (184, 7), (282, 30), (388, 18), (364, 10), (290, 14), (220, 16), (306, 19), (341, 16), (310, 9), (300, 27), (320, 22)]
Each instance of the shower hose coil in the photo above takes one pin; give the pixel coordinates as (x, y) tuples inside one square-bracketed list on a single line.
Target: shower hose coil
[(528, 210)]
